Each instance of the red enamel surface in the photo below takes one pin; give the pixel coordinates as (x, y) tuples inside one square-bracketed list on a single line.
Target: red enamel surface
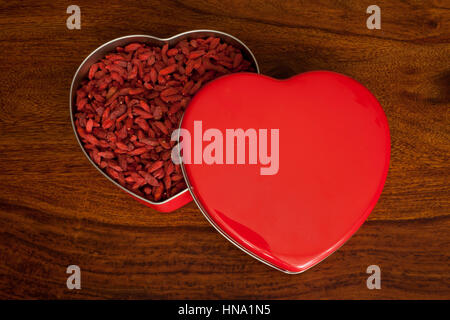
[(333, 161)]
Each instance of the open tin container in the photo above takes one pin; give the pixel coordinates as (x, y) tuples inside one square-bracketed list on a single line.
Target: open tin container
[(183, 197)]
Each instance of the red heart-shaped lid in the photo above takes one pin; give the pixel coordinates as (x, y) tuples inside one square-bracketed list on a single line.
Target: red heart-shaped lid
[(301, 176)]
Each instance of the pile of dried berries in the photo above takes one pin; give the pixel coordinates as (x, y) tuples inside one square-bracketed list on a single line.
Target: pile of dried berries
[(134, 99)]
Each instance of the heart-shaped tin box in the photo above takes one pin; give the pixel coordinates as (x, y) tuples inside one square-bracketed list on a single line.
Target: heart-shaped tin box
[(287, 170)]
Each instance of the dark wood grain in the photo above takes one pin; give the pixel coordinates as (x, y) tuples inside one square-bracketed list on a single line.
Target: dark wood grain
[(57, 210)]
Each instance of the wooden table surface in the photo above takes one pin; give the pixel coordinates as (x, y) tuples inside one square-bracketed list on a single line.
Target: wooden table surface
[(57, 210)]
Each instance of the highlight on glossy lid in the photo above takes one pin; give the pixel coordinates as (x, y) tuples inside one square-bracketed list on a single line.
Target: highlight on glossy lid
[(318, 168)]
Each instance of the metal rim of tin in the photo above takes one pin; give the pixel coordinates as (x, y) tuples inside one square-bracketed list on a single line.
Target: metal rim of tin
[(109, 46)]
